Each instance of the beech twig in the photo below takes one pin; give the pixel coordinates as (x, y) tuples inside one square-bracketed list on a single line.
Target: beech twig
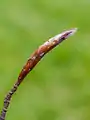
[(32, 61)]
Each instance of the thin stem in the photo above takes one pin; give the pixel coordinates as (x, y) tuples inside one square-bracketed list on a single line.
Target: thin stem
[(32, 61)]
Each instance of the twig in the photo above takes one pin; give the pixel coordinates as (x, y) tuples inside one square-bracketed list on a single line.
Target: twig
[(32, 61)]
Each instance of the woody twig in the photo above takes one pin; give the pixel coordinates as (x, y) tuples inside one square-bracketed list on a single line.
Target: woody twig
[(32, 61)]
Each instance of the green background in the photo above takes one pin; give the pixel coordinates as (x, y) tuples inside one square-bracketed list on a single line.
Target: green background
[(58, 88)]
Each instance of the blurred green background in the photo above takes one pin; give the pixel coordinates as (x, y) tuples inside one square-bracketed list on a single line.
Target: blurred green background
[(59, 87)]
